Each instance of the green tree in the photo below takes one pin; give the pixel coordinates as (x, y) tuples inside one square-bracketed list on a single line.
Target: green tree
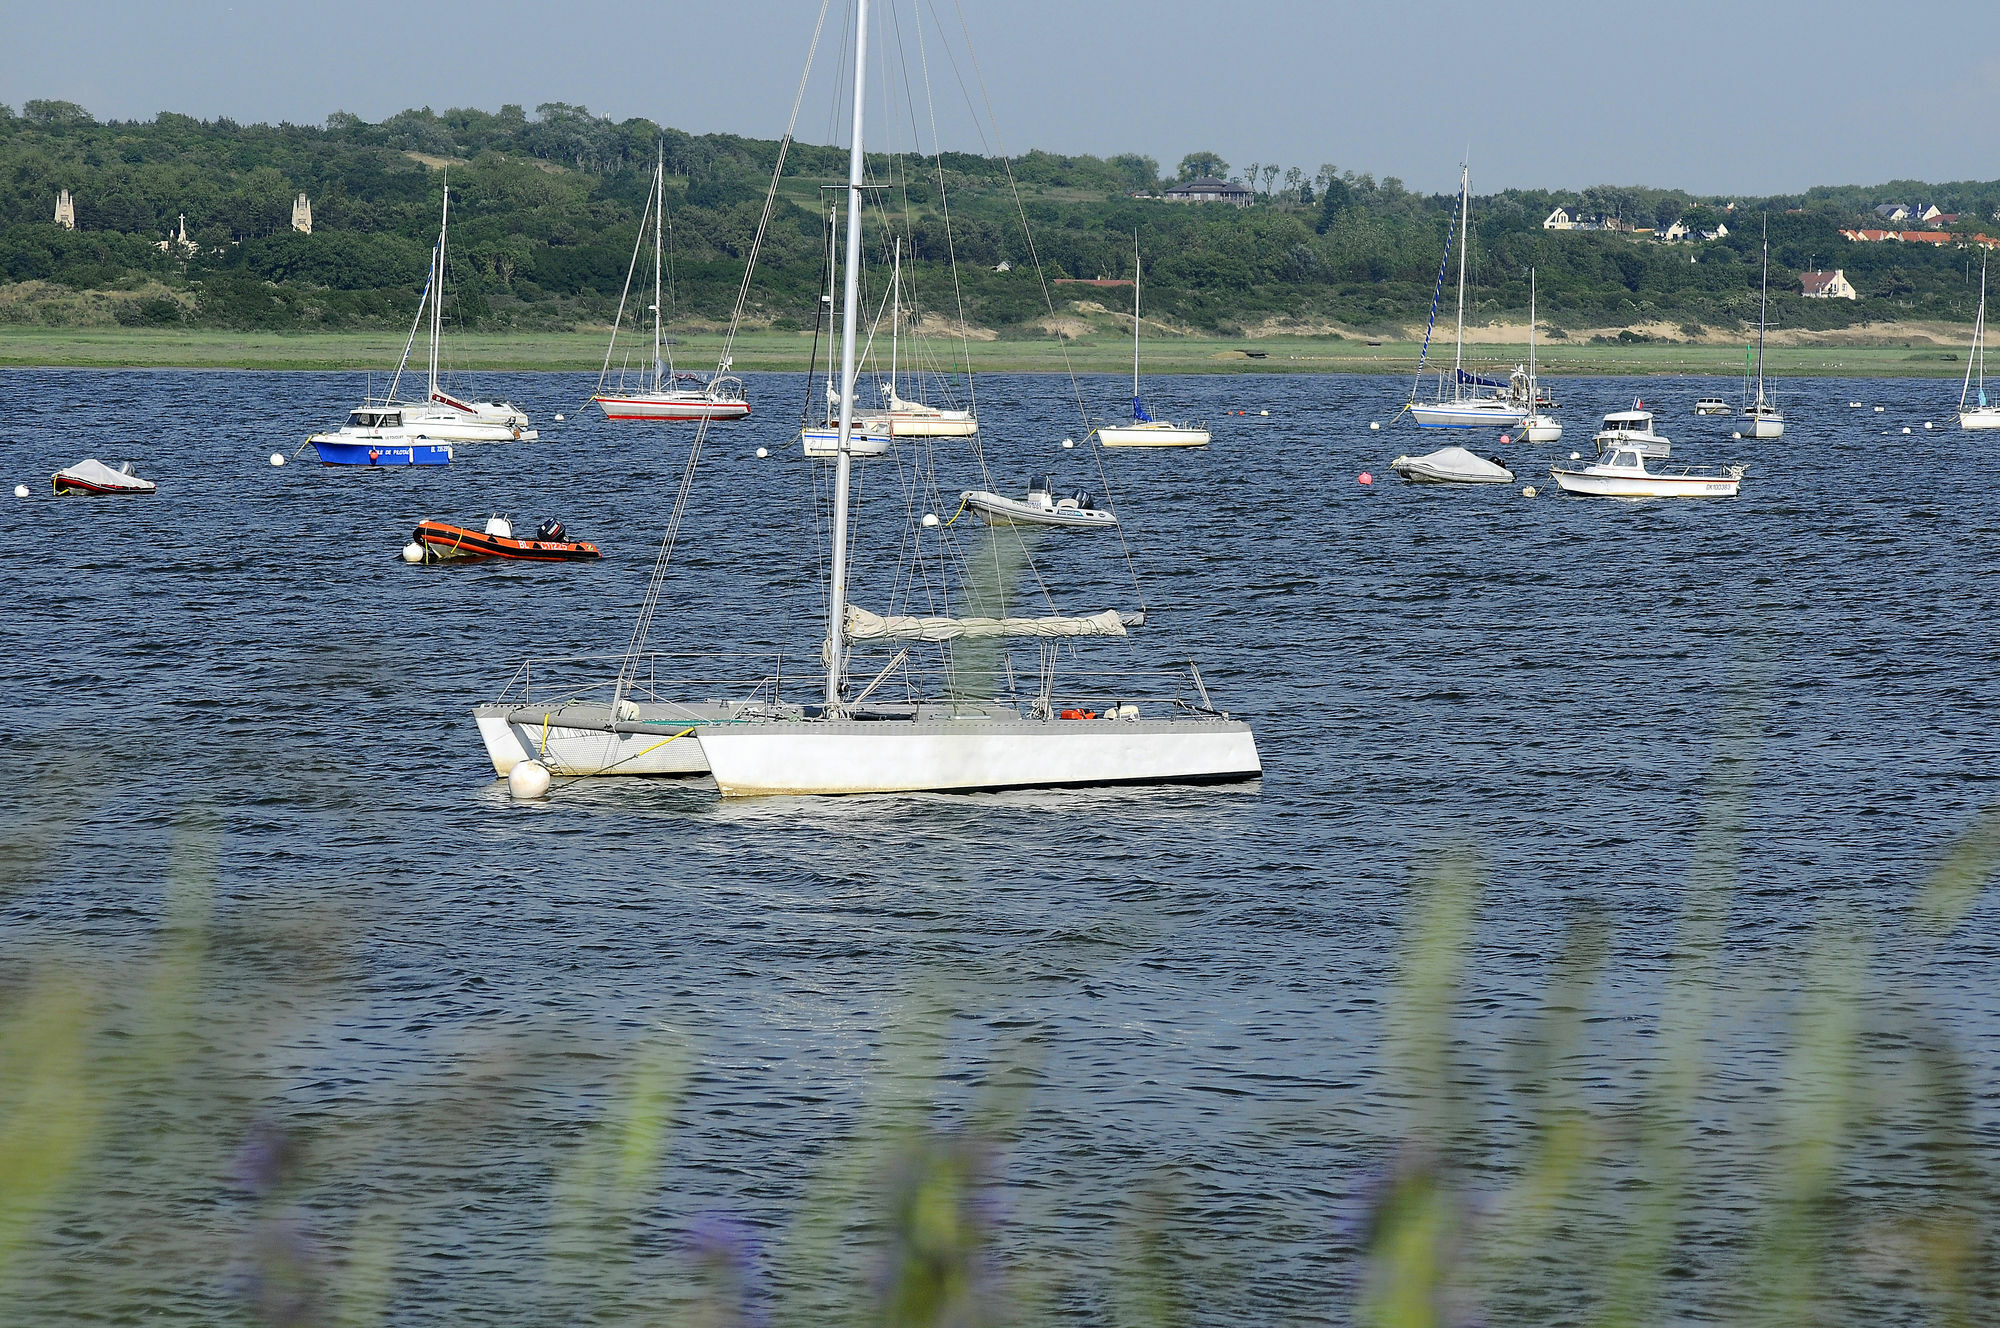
[(1197, 164)]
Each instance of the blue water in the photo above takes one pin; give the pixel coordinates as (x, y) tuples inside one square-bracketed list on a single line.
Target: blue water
[(439, 990)]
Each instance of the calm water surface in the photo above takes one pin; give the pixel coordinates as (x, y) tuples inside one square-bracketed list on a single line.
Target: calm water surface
[(1193, 980)]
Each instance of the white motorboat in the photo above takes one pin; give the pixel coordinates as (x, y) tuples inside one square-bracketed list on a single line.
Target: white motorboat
[(871, 437), (1713, 406), (669, 395), (953, 745), (91, 476), (1978, 414), (1474, 402), (1623, 473), (1451, 465), (1143, 430), (1632, 429), (1040, 508), (1766, 420)]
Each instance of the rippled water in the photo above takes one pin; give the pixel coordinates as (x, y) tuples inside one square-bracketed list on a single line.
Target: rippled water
[(1194, 980)]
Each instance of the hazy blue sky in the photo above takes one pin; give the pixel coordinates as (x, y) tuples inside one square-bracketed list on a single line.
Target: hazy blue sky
[(1693, 94)]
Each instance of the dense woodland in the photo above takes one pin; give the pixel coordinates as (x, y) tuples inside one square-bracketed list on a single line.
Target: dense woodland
[(546, 209)]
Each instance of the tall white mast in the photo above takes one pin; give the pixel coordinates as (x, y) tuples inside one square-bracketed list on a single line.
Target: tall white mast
[(1978, 355), (843, 464), (1135, 321), (659, 226), (1763, 299), (895, 316), (1534, 393), (1464, 198), (437, 297)]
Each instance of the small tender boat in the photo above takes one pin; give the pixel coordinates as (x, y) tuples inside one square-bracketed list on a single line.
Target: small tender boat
[(1632, 429), (1713, 406), (1623, 474), (92, 476), (440, 541), (1451, 465), (1041, 508)]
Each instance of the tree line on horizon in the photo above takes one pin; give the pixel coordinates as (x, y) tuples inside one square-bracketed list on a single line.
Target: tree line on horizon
[(546, 210)]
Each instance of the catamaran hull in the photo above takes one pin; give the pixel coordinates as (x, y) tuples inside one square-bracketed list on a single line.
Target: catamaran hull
[(669, 408), (1647, 486), (1986, 417), (1140, 435), (380, 453), (889, 756), (512, 737), (1463, 415)]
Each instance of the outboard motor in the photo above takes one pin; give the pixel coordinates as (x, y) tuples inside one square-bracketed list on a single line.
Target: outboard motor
[(551, 532), (1085, 499)]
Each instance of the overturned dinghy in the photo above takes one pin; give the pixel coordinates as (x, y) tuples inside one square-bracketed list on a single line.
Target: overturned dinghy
[(1040, 508), (1451, 465), (93, 476)]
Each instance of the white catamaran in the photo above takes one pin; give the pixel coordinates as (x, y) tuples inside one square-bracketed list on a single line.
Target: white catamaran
[(669, 395), (1474, 402), (1974, 413), (1144, 430)]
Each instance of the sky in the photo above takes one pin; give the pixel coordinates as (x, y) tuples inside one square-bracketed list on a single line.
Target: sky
[(1708, 97)]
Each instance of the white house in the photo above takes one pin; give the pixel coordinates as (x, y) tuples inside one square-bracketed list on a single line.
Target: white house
[(1559, 220), (1892, 212), (1832, 285)]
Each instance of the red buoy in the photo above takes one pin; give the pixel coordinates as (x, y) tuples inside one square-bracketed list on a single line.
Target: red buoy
[(1366, 478)]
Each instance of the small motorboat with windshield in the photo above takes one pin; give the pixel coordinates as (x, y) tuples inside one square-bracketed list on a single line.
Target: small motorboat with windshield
[(91, 476), (1451, 465), (1077, 511), (1713, 406), (1632, 429), (379, 436), (1622, 472)]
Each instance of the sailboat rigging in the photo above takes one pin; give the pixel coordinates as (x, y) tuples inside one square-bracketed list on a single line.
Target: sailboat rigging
[(1766, 420), (1978, 415), (669, 395), (1144, 430), (1474, 402)]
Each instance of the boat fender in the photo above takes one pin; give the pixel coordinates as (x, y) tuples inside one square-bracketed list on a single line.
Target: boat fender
[(627, 712), (528, 780), (517, 433)]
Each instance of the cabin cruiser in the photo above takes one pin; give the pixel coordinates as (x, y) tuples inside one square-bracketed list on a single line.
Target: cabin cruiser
[(1621, 472), (1632, 429), (381, 435), (1713, 406)]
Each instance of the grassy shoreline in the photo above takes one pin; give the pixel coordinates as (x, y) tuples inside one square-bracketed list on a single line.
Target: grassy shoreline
[(41, 347)]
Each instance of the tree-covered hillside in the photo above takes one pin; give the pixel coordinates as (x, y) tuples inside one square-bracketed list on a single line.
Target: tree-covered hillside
[(546, 210)]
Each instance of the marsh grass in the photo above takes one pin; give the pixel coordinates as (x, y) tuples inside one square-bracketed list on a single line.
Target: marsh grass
[(1526, 1192)]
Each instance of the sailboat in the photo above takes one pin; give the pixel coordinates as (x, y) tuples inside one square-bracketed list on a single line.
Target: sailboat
[(392, 432), (669, 395), (1979, 415), (1475, 402), (914, 419), (821, 439), (846, 746), (1144, 430), (1537, 428), (1766, 420)]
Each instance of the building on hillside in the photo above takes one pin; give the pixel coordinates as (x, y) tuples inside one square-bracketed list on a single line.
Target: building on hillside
[(1926, 237), (1892, 212), (65, 211), (302, 215), (177, 243), (1895, 212), (1870, 236), (1832, 285), (1559, 220), (1208, 189)]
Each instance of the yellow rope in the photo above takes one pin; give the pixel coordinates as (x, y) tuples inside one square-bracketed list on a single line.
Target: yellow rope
[(545, 737), (959, 513)]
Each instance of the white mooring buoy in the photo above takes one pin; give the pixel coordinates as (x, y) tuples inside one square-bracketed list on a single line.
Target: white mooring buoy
[(1906, 428), (1927, 424), (930, 519), (763, 452), (528, 780), (1528, 492), (1374, 424), (20, 491), (558, 419), (1576, 456), (277, 458), (413, 552), (1069, 443)]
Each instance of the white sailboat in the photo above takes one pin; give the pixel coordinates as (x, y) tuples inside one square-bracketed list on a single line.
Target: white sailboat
[(1977, 415), (843, 746), (1538, 427), (396, 432), (1474, 402), (669, 395), (913, 419), (1766, 420), (1144, 430)]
